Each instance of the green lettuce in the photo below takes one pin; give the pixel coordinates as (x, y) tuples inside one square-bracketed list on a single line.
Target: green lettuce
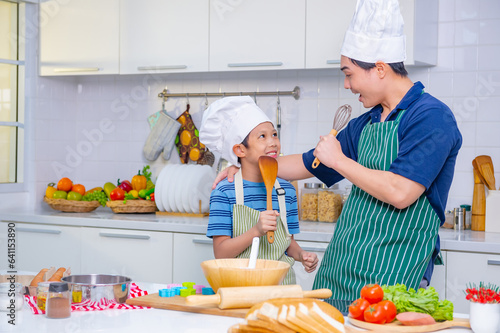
[(423, 301)]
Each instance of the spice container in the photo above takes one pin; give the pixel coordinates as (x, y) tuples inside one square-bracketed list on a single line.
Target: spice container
[(309, 202), (459, 219), (11, 296), (468, 216), (58, 303), (329, 203)]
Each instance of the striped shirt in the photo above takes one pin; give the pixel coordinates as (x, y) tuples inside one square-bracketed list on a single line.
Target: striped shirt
[(222, 199)]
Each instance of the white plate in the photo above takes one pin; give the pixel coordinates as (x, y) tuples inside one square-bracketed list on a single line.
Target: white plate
[(166, 183), (177, 177), (186, 189), (158, 189), (201, 189), (180, 187)]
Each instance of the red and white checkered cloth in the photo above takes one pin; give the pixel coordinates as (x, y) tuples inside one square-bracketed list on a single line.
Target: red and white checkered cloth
[(135, 291)]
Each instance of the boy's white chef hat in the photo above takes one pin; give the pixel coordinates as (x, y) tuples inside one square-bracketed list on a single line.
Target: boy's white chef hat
[(227, 122), (375, 33)]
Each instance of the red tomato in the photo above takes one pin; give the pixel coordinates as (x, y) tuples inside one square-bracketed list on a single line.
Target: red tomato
[(375, 314), (357, 308), (390, 310), (373, 293), (117, 194)]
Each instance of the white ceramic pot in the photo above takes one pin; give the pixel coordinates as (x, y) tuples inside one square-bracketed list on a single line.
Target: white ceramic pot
[(484, 318)]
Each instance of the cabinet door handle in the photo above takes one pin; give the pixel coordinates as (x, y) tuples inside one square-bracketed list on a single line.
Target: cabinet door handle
[(77, 69), (333, 62), (494, 262), (159, 68), (255, 64), (40, 231), (203, 241), (313, 249), (111, 235)]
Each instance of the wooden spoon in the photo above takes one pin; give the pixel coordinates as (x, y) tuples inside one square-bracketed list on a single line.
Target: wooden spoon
[(486, 169), (269, 169)]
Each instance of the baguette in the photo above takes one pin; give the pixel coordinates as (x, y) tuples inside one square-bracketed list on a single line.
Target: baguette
[(57, 276), (38, 277)]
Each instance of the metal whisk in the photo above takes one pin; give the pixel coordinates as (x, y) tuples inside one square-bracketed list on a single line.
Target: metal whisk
[(342, 116)]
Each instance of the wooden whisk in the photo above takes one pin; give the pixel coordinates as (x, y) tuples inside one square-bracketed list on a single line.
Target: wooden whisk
[(342, 116)]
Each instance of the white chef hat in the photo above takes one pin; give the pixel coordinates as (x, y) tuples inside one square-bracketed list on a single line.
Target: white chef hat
[(227, 122), (375, 33)]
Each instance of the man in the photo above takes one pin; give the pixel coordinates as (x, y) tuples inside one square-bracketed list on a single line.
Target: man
[(400, 157)]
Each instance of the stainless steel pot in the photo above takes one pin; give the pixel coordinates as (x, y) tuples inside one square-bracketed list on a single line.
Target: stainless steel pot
[(98, 288)]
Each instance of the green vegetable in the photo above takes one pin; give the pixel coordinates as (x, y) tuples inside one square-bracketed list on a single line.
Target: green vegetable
[(96, 196), (142, 193), (423, 301), (146, 173)]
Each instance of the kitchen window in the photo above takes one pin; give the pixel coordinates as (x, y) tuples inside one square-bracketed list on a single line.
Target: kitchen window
[(12, 71)]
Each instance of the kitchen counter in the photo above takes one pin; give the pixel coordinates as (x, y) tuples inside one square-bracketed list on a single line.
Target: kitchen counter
[(128, 321), (465, 241)]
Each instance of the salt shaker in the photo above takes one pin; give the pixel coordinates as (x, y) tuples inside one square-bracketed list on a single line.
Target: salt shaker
[(459, 219), (58, 304)]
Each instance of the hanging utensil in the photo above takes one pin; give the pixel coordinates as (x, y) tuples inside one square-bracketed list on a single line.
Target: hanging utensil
[(342, 116), (254, 253), (269, 169)]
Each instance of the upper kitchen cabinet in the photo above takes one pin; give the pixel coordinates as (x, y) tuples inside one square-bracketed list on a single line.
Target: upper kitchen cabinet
[(79, 37), (327, 22), (257, 34), (163, 36)]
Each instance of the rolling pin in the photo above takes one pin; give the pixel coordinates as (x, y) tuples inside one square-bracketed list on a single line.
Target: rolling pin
[(246, 297)]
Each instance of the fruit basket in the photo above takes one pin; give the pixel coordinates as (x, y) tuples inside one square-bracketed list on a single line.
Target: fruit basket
[(72, 206), (132, 206)]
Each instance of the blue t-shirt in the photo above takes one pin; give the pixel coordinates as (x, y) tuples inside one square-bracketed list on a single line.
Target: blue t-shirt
[(429, 141), (222, 199)]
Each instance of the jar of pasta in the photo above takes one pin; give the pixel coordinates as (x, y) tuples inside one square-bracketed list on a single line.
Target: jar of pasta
[(309, 202), (329, 203)]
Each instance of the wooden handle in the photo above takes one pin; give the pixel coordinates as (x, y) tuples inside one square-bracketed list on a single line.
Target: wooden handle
[(316, 161), (317, 293), (269, 203), (203, 299), (478, 198), (478, 222)]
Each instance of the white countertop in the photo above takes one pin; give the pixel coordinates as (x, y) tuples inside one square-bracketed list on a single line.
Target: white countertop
[(466, 241), (127, 321)]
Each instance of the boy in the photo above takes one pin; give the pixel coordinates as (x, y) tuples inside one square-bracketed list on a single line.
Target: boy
[(237, 129)]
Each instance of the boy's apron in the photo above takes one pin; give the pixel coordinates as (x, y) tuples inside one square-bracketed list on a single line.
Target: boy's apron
[(374, 242), (245, 218)]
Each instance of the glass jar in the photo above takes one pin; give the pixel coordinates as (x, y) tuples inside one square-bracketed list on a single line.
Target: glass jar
[(11, 296), (41, 294), (309, 202), (468, 216), (58, 303), (329, 203)]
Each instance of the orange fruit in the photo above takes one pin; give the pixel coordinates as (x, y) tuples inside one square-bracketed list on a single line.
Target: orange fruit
[(78, 188), (64, 184)]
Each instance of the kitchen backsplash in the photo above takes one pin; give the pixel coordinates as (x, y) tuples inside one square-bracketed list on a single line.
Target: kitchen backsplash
[(93, 128)]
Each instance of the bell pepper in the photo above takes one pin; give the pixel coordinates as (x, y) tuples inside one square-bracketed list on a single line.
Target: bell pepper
[(124, 185), (49, 192), (139, 181), (117, 194), (152, 196)]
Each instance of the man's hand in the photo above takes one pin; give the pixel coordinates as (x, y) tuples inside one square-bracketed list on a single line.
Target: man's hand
[(329, 151), (228, 172)]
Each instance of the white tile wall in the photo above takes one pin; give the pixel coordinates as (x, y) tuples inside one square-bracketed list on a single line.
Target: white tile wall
[(467, 78)]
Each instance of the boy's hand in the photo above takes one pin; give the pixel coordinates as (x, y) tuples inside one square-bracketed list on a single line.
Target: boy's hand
[(267, 221), (309, 261)]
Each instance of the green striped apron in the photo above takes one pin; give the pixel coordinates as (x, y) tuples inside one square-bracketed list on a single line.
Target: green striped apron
[(374, 242), (245, 218)]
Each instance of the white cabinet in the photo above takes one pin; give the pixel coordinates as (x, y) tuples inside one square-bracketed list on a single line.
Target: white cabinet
[(304, 279), (141, 255), (163, 36), (438, 279), (464, 268), (42, 246), (79, 37), (189, 251), (326, 24), (257, 34)]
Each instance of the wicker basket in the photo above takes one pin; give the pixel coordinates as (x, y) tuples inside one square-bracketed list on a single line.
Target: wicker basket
[(132, 206), (72, 206)]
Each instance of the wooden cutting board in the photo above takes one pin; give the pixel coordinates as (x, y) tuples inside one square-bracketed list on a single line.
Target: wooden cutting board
[(178, 303), (396, 326)]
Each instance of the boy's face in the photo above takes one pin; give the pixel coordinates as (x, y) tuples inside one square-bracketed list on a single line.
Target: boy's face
[(262, 140)]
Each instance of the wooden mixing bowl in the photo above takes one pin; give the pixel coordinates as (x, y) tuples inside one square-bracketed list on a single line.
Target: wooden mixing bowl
[(234, 273)]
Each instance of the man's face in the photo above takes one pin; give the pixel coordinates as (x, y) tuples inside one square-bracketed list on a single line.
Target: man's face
[(365, 83)]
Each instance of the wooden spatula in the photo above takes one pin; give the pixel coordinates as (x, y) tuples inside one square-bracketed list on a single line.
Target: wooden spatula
[(269, 169), (487, 171)]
